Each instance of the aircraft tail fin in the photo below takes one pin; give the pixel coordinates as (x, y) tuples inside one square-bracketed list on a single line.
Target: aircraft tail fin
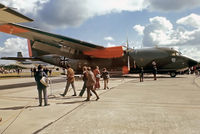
[(19, 54)]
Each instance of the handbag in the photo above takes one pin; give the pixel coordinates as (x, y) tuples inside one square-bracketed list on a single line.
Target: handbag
[(98, 76), (44, 81)]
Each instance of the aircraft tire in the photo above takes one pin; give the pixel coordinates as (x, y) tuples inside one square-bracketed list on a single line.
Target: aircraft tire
[(173, 74)]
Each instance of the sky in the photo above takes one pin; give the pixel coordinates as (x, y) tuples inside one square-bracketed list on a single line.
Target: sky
[(144, 23)]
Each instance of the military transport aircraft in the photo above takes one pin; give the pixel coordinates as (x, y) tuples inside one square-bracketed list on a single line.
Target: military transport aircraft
[(60, 50)]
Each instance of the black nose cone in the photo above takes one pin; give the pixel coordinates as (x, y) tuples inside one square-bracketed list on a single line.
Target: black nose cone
[(192, 62)]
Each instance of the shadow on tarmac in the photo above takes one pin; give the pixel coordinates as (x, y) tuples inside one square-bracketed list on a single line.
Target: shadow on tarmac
[(18, 107), (72, 102), (147, 77)]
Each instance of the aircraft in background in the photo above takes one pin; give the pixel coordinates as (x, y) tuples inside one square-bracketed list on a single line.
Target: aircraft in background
[(26, 63), (60, 50)]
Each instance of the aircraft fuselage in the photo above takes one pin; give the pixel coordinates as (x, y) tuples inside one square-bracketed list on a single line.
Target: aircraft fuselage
[(168, 61)]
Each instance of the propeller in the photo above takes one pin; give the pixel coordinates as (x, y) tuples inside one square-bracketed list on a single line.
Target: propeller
[(127, 50)]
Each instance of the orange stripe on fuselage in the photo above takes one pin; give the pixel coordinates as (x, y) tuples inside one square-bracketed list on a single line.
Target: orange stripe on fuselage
[(10, 29), (110, 52)]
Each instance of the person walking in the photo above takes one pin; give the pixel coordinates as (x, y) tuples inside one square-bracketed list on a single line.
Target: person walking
[(34, 70), (90, 84), (97, 76), (70, 81), (141, 74), (105, 75), (41, 87), (154, 69), (84, 81)]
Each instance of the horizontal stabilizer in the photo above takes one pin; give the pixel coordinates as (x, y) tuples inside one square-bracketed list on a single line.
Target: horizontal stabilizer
[(20, 58)]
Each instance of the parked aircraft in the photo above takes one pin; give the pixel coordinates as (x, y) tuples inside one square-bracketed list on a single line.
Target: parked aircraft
[(60, 50), (26, 63)]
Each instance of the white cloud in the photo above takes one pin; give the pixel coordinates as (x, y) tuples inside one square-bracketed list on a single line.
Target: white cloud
[(51, 14), (192, 20), (109, 38), (110, 44), (12, 46), (28, 6), (160, 32), (139, 29)]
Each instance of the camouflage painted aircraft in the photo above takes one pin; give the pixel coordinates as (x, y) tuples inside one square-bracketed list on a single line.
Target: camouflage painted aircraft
[(60, 50)]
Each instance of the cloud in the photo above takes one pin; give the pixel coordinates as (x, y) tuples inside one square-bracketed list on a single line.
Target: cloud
[(161, 32), (110, 44), (158, 32), (28, 6), (12, 46), (51, 14), (192, 20), (172, 5), (139, 29), (109, 38)]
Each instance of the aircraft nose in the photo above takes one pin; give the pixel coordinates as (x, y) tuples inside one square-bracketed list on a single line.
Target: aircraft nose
[(192, 62)]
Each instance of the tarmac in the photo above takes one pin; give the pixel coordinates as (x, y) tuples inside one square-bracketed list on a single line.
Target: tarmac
[(165, 106)]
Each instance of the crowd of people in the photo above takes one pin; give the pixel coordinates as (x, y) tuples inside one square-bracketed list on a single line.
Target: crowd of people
[(91, 82), (6, 71)]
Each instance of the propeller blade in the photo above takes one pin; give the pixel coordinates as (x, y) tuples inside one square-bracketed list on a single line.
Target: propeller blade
[(128, 55)]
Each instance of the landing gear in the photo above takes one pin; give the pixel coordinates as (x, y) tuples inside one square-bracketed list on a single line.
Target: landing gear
[(172, 74)]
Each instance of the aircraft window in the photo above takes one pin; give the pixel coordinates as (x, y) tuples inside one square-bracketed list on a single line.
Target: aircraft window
[(173, 54), (178, 54)]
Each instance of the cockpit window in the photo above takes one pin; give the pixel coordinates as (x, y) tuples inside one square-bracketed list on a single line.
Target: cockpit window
[(176, 54), (173, 54)]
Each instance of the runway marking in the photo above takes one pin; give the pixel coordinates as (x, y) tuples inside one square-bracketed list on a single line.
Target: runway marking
[(195, 81), (15, 116), (79, 106)]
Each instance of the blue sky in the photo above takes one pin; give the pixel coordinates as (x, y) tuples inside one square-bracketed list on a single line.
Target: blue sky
[(146, 23)]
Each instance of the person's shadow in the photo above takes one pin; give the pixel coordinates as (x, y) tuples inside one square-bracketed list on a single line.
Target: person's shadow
[(74, 102)]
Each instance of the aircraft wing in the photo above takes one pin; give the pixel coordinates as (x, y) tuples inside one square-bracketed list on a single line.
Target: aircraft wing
[(60, 45), (8, 15), (20, 58)]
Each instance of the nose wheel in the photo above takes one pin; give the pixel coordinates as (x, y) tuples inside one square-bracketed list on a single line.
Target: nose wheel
[(172, 74)]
